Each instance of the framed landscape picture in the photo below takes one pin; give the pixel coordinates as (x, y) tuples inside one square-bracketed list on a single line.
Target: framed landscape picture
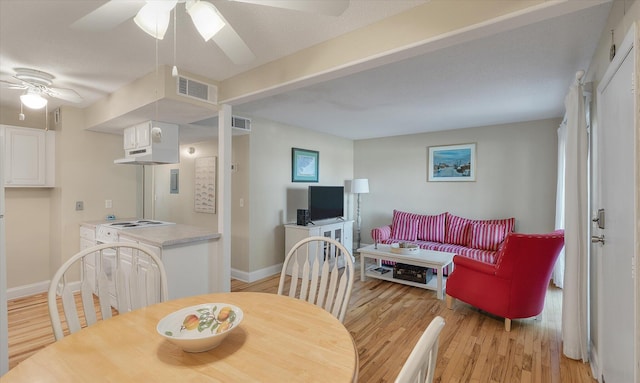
[(452, 163), (304, 165)]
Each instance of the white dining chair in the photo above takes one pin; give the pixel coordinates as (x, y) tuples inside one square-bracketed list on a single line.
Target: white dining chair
[(421, 363), (319, 270), (125, 276)]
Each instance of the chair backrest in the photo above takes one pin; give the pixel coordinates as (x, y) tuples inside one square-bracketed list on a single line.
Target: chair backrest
[(421, 363), (319, 270), (528, 261), (125, 276)]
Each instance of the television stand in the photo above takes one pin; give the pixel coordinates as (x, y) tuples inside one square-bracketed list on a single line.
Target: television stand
[(342, 231)]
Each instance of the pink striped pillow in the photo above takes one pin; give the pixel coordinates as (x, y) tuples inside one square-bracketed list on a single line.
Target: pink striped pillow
[(509, 223), (404, 226), (487, 236), (431, 227), (457, 232)]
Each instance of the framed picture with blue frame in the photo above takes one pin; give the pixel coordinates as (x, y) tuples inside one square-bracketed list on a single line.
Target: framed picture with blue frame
[(304, 165), (451, 163)]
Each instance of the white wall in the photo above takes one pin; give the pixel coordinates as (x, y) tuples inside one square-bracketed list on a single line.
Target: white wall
[(272, 191), (516, 176), (180, 207), (42, 225)]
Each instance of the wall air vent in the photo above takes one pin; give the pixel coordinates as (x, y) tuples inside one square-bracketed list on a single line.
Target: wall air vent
[(241, 123), (198, 90)]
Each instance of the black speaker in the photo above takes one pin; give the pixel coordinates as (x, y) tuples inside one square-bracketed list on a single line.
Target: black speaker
[(303, 217)]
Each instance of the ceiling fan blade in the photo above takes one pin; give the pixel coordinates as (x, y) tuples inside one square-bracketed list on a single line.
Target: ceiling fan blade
[(12, 85), (109, 15), (64, 94), (325, 7), (233, 46)]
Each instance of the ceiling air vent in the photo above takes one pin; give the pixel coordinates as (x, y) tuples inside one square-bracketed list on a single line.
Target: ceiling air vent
[(198, 90), (241, 123)]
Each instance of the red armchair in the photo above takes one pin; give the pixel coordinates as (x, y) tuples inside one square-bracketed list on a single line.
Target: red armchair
[(513, 287)]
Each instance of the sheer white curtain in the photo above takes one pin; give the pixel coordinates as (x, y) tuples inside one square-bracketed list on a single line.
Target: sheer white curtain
[(558, 271), (575, 320)]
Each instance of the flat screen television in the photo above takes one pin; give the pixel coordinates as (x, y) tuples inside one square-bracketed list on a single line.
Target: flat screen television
[(326, 202)]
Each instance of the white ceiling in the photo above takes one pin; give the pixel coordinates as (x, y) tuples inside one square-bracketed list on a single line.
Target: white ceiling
[(518, 75)]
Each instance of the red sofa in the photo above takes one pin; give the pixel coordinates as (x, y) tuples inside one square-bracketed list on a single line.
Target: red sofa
[(513, 287), (472, 238)]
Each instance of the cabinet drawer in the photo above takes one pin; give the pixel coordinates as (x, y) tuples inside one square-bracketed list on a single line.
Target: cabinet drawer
[(88, 232)]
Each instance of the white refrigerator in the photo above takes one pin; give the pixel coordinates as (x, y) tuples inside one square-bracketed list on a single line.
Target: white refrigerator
[(4, 330)]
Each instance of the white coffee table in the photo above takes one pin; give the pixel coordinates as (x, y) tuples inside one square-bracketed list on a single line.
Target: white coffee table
[(425, 258)]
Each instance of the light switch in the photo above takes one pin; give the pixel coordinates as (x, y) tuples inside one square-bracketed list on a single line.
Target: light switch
[(108, 204), (241, 202)]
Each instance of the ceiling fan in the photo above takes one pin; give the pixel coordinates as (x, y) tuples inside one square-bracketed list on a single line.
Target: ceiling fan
[(152, 16), (36, 85)]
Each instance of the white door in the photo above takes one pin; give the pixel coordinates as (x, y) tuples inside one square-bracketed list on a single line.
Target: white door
[(616, 174)]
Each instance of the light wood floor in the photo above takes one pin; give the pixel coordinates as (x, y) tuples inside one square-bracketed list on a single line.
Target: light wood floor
[(386, 319)]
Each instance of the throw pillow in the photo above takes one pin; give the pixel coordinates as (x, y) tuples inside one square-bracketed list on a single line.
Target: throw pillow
[(431, 227), (508, 223), (487, 236), (404, 226), (457, 230)]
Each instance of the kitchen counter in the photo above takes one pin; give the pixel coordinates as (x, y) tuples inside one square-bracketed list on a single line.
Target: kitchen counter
[(162, 236), (170, 235)]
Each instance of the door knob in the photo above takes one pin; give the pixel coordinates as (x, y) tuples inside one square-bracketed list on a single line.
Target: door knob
[(596, 239)]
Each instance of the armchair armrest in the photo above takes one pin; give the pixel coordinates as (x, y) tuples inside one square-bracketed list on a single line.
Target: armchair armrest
[(380, 234), (474, 265)]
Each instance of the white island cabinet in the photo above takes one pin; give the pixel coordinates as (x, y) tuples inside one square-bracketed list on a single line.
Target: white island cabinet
[(187, 252)]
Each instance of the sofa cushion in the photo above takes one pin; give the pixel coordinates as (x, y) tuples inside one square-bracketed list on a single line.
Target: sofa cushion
[(457, 230), (509, 223), (487, 236), (404, 226), (431, 227)]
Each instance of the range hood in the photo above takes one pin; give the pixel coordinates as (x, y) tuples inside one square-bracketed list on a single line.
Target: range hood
[(151, 143)]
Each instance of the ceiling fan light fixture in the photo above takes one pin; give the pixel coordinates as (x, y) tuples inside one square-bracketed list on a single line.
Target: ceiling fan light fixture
[(153, 17), (206, 18), (33, 100)]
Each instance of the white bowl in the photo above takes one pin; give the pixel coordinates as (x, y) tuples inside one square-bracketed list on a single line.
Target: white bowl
[(205, 329), (410, 249)]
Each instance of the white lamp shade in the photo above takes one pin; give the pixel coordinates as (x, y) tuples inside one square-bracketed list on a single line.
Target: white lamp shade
[(360, 186), (33, 100), (206, 18), (153, 17)]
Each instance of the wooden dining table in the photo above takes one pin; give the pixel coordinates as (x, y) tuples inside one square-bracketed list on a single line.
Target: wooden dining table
[(280, 339)]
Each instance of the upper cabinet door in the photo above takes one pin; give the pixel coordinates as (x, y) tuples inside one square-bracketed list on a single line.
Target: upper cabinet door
[(143, 135), (28, 157), (130, 138)]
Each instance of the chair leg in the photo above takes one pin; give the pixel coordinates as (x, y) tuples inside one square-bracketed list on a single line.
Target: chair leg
[(450, 301), (507, 324)]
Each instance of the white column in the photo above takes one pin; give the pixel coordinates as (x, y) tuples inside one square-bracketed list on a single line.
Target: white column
[(221, 270)]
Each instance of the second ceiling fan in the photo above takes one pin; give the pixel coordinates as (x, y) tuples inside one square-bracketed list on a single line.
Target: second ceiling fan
[(153, 17)]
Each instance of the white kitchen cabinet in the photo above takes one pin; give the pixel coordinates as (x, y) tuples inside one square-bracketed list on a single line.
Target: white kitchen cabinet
[(342, 231), (138, 136), (29, 158), (87, 240), (186, 264)]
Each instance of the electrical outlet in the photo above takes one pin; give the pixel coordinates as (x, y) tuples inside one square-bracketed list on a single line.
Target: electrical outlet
[(79, 205), (108, 204)]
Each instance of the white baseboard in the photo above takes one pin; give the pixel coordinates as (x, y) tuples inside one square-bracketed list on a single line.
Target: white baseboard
[(26, 290), (256, 275)]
